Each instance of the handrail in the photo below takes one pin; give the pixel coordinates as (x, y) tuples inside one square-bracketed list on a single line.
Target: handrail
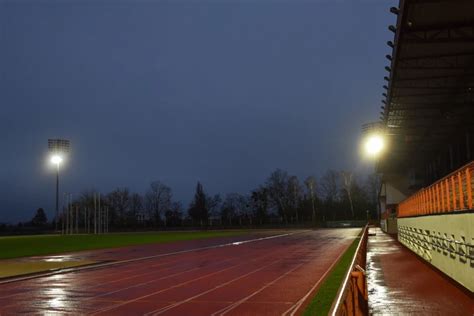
[(353, 284), (449, 194)]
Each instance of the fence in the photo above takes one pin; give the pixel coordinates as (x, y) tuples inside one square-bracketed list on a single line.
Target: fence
[(351, 298), (451, 193)]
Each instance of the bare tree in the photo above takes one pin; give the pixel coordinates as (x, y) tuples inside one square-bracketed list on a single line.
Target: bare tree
[(158, 200), (310, 183), (347, 185), (136, 206), (259, 204), (174, 215), (199, 208), (243, 208), (229, 207), (119, 202), (294, 189), (237, 206), (213, 203), (277, 185), (329, 189)]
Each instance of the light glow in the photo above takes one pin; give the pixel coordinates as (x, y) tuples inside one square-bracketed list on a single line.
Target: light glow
[(374, 145), (56, 159)]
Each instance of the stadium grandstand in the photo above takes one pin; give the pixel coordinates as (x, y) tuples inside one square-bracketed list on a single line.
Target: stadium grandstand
[(427, 118)]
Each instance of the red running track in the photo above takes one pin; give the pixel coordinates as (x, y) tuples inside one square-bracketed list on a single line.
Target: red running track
[(261, 276)]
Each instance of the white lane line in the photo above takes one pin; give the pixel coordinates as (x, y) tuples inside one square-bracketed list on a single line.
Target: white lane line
[(151, 281), (293, 309), (108, 264), (225, 310), (177, 285), (99, 284), (166, 308)]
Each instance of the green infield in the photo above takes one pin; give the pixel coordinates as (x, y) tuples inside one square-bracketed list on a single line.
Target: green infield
[(10, 268), (322, 301), (22, 246)]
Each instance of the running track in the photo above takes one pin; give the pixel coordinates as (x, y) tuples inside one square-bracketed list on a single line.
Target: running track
[(261, 276)]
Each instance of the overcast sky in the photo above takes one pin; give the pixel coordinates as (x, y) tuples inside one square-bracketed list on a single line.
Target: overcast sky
[(222, 92)]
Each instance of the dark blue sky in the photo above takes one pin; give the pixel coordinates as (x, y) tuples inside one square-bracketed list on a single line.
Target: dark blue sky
[(179, 91)]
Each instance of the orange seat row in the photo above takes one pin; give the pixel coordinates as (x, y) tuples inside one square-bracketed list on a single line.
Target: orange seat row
[(451, 193)]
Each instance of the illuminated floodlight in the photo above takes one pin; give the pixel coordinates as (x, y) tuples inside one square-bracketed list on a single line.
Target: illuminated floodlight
[(374, 145), (58, 149), (56, 159)]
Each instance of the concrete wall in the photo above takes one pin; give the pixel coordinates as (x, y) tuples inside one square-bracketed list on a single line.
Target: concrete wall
[(389, 225), (395, 188), (446, 241)]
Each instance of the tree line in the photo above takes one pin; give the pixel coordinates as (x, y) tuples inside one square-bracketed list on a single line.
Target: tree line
[(281, 199)]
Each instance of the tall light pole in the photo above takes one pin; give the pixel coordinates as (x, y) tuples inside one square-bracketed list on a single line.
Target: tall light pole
[(57, 159), (58, 148), (374, 145)]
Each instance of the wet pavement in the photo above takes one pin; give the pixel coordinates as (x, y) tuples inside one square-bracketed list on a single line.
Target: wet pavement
[(271, 275), (400, 283)]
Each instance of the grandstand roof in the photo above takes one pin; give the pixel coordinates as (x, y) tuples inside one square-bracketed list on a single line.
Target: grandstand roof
[(429, 97)]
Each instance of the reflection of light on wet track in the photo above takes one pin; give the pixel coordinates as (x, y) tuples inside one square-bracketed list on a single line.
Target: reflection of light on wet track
[(61, 258), (287, 268), (56, 297)]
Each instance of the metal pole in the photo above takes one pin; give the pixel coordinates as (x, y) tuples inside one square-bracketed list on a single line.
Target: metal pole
[(71, 216), (100, 218), (107, 219), (57, 196), (62, 221), (95, 213), (88, 220), (67, 214)]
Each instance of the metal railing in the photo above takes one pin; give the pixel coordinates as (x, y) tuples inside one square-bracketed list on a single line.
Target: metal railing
[(451, 193), (352, 296)]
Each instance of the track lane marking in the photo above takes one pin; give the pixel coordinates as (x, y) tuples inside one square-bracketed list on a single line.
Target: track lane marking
[(116, 280), (225, 310), (114, 263), (201, 257), (300, 302), (181, 284), (166, 308)]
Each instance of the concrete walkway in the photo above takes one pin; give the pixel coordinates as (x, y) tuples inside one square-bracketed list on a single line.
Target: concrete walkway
[(401, 283)]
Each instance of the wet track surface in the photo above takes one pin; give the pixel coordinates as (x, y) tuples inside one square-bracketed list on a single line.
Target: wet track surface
[(269, 276), (400, 283)]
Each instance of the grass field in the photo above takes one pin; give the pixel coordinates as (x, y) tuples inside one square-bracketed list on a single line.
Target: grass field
[(9, 268), (22, 246), (322, 301)]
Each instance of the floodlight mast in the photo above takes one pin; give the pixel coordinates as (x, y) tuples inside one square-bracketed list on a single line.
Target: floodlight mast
[(374, 143), (58, 148), (57, 195)]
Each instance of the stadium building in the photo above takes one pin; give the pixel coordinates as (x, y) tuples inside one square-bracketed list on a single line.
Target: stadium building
[(427, 169)]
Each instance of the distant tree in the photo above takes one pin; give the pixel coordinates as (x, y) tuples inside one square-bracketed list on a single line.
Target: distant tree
[(119, 202), (244, 209), (136, 206), (174, 215), (236, 207), (372, 187), (229, 208), (158, 200), (347, 179), (294, 190), (259, 203), (310, 183), (279, 197), (329, 190), (40, 218), (199, 210), (213, 203)]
